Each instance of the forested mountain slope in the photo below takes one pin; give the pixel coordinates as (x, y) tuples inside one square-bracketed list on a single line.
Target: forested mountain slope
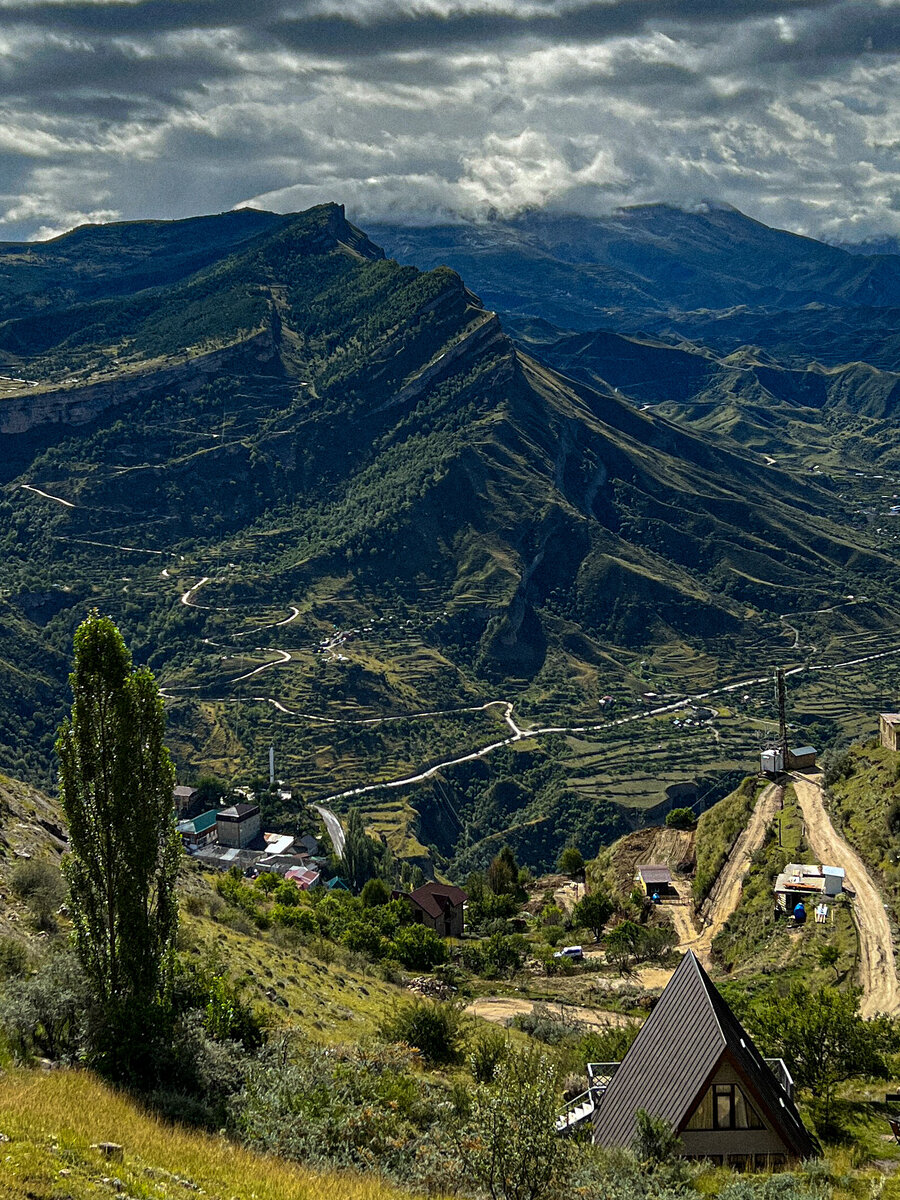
[(329, 487)]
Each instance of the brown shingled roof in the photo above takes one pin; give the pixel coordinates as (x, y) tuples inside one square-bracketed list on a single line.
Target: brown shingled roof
[(436, 898)]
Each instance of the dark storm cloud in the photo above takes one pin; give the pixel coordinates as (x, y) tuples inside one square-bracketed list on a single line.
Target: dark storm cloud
[(785, 108)]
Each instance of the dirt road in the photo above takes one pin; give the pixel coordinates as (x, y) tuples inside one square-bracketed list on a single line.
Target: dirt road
[(877, 971), (502, 1008), (726, 892)]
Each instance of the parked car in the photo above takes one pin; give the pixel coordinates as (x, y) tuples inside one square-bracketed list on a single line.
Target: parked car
[(569, 952)]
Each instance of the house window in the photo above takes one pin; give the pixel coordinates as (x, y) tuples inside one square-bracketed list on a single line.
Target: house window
[(724, 1106)]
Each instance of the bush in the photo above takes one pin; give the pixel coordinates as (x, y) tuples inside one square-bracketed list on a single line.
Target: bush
[(490, 1049), (13, 958), (655, 1141), (515, 1152), (44, 1014), (437, 1028), (418, 948), (681, 818), (296, 917), (40, 884)]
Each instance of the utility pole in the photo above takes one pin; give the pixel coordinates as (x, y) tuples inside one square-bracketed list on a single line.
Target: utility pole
[(782, 716)]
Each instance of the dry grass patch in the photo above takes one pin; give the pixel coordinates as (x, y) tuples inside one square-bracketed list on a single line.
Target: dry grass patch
[(54, 1120)]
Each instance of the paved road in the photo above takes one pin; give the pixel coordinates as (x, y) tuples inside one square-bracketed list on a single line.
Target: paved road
[(333, 825), (877, 967)]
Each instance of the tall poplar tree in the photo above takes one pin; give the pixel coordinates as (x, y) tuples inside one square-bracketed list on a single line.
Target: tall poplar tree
[(116, 782)]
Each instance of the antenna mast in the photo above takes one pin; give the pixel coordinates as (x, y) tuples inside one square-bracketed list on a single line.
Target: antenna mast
[(782, 714)]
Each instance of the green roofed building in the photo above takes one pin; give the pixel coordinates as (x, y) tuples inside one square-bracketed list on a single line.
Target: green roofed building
[(201, 830)]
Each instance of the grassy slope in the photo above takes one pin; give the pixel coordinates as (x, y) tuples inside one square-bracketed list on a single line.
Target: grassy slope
[(716, 832), (864, 806), (53, 1120)]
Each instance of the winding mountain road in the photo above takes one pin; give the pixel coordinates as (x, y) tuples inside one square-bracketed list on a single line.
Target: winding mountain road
[(877, 965)]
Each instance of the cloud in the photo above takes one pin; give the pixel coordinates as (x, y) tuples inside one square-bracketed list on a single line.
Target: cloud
[(787, 109)]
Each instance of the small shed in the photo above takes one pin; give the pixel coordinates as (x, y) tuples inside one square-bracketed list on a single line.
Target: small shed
[(803, 758), (654, 877), (889, 731), (771, 762), (834, 880)]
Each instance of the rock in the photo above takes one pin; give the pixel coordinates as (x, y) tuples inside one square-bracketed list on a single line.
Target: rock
[(111, 1150)]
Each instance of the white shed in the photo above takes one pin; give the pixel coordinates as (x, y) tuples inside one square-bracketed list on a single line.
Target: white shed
[(834, 880), (771, 762)]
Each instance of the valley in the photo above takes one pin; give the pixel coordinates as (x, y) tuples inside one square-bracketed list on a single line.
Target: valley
[(434, 565)]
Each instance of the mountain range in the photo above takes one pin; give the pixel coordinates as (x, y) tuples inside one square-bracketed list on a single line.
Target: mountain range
[(319, 488)]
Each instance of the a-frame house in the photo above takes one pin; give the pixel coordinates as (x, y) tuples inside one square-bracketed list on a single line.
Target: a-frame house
[(695, 1065)]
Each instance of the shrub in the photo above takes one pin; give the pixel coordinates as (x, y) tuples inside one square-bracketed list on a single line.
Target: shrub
[(40, 884), (515, 1152), (437, 1028), (418, 948), (296, 917), (655, 1141), (681, 818), (489, 1050), (44, 1014), (13, 958)]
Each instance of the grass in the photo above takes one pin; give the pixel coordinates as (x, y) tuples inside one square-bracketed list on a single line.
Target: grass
[(330, 995), (53, 1121), (716, 831), (864, 805)]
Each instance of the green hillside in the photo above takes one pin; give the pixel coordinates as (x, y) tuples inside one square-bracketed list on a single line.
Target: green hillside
[(336, 510)]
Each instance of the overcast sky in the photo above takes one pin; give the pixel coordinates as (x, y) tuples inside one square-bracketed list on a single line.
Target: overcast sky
[(788, 109)]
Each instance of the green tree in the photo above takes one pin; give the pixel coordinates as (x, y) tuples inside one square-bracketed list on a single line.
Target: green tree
[(513, 1148), (503, 873), (418, 948), (375, 893), (822, 1038), (571, 861), (116, 784), (358, 859), (593, 911), (829, 955)]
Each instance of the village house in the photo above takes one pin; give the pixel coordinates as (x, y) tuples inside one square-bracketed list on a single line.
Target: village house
[(889, 730), (440, 907), (694, 1065), (238, 825), (654, 879), (200, 831), (802, 882), (183, 797)]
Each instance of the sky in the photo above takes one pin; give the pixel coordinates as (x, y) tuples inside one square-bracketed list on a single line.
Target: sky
[(428, 110)]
